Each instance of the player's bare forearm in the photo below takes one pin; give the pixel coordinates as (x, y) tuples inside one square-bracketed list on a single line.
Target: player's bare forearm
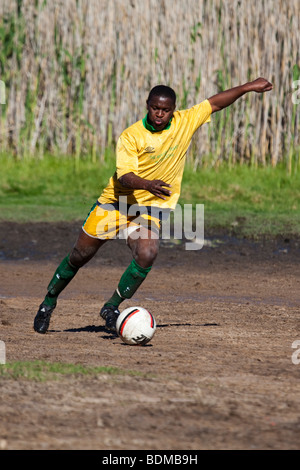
[(226, 98), (156, 187)]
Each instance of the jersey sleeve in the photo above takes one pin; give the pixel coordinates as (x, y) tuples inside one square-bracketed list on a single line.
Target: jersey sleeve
[(127, 156), (199, 114)]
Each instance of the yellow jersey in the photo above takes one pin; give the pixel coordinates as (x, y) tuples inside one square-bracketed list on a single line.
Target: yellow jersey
[(155, 155)]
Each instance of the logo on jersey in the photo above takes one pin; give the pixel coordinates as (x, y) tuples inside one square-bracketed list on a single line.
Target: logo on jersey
[(149, 150)]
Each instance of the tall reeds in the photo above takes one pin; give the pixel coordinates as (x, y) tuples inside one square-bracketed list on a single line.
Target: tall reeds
[(77, 72)]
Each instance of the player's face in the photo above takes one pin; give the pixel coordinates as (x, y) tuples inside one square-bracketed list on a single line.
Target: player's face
[(160, 111)]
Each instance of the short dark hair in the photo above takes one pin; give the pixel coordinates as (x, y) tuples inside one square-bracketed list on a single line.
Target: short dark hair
[(163, 90)]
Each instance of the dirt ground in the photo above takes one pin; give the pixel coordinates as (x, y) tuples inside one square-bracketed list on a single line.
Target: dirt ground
[(218, 373)]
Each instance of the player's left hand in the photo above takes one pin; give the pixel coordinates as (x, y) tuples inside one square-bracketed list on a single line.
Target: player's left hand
[(260, 85)]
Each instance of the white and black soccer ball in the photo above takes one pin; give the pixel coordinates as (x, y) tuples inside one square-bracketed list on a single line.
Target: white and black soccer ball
[(136, 326)]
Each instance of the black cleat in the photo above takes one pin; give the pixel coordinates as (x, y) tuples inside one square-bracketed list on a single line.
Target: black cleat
[(109, 313), (42, 319)]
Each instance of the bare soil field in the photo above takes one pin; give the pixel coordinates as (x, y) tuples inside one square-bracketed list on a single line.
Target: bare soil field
[(218, 373)]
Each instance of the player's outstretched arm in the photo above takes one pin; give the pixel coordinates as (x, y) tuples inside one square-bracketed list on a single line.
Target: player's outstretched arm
[(226, 98)]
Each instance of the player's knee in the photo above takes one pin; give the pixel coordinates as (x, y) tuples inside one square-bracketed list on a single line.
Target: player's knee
[(79, 257), (146, 254)]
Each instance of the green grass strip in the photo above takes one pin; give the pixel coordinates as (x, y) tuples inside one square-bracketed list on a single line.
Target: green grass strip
[(41, 371)]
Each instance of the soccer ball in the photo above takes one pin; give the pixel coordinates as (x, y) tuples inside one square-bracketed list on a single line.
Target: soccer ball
[(136, 326)]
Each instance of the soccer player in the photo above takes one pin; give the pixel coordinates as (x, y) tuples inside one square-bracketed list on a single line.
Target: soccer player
[(150, 158)]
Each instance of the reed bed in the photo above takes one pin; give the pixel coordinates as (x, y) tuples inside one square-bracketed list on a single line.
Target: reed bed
[(77, 72)]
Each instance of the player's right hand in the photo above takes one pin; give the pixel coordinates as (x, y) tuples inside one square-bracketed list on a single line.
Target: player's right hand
[(159, 188), (260, 85)]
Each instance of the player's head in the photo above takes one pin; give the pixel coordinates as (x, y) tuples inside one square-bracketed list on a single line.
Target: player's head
[(161, 105), (164, 91)]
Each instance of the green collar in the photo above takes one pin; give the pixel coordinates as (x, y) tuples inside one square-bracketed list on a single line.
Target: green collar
[(150, 128)]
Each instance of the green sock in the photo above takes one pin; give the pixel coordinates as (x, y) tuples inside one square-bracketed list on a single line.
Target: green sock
[(62, 276), (129, 283)]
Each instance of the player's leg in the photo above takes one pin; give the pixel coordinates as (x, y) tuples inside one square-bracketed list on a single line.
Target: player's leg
[(84, 249), (144, 245)]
